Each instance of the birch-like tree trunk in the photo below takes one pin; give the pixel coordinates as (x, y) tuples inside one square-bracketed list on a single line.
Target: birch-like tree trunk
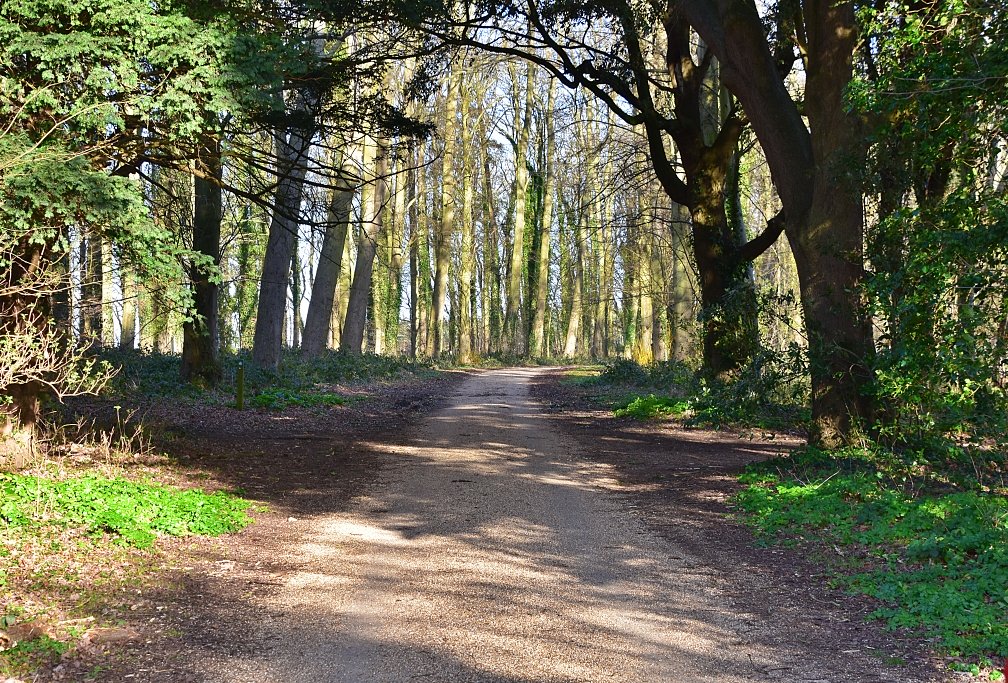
[(442, 240), (577, 286), (537, 349), (643, 350), (512, 318), (491, 266), (467, 259)]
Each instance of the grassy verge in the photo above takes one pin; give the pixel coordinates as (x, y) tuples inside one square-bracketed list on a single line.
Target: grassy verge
[(73, 540), (934, 558), (133, 513)]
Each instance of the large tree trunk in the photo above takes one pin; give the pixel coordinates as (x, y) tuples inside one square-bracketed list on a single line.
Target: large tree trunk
[(829, 246), (320, 306), (442, 240), (352, 340), (292, 164), (200, 333), (537, 349), (813, 170), (467, 259), (513, 329)]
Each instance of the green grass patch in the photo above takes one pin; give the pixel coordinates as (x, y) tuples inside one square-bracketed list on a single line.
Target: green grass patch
[(134, 513), (651, 407), (278, 398), (937, 562)]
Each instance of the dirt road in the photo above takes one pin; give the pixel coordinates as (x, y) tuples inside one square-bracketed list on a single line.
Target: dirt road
[(490, 550)]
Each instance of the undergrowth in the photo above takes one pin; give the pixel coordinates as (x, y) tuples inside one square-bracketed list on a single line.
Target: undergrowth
[(651, 406), (134, 513), (934, 557), (769, 393), (296, 382), (278, 399), (30, 655), (74, 541)]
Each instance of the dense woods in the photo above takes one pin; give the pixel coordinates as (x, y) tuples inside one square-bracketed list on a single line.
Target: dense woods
[(810, 194)]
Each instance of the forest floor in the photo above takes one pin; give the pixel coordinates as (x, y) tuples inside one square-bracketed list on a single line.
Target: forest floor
[(493, 526)]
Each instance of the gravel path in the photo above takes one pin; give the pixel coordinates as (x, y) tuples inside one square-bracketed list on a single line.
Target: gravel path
[(488, 551)]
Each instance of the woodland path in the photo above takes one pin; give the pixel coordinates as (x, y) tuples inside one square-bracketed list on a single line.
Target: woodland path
[(491, 550)]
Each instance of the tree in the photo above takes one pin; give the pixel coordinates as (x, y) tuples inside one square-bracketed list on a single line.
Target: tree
[(372, 227), (813, 171), (200, 340), (446, 225), (654, 80), (320, 306), (929, 80), (537, 347), (86, 99), (293, 145)]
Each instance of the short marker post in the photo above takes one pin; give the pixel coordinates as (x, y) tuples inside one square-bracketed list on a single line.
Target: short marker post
[(240, 386)]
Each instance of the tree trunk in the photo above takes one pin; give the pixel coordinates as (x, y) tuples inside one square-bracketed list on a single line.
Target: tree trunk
[(727, 300), (421, 243), (91, 290), (320, 306), (200, 333), (24, 313), (813, 170), (643, 352), (394, 292), (491, 268), (352, 340), (537, 349), (467, 259), (512, 317), (442, 240), (127, 281), (413, 214), (829, 247), (577, 264), (292, 164)]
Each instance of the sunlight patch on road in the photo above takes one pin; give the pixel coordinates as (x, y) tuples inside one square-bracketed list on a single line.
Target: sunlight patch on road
[(365, 532)]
